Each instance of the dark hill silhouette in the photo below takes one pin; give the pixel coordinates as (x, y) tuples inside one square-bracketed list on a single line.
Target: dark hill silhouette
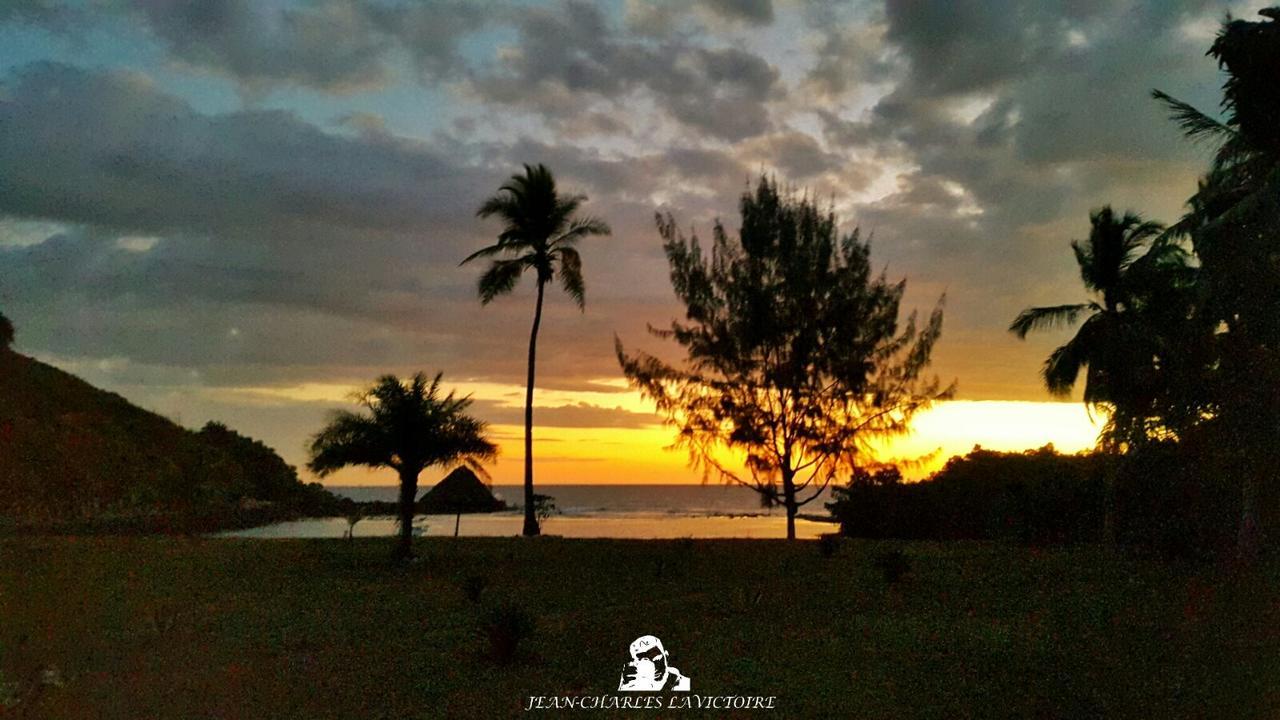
[(74, 457), (461, 491)]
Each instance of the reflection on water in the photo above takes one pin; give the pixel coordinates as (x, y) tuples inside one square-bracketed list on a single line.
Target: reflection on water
[(603, 525)]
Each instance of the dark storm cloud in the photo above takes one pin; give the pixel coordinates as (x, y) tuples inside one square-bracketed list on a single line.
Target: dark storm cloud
[(796, 155), (49, 14), (564, 52), (330, 45), (333, 46), (431, 32), (1015, 119), (572, 51), (1019, 104), (848, 55), (275, 250), (110, 149), (755, 12), (252, 246), (575, 415)]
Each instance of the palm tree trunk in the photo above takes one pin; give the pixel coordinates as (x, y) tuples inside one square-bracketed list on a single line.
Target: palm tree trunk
[(408, 493), (531, 520)]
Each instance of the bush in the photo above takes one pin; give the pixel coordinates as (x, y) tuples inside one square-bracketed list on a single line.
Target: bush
[(505, 627), (1177, 503), (828, 544), (1038, 497), (473, 586), (1174, 500), (893, 565)]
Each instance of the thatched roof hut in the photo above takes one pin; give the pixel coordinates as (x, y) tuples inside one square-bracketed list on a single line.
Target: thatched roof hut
[(461, 491)]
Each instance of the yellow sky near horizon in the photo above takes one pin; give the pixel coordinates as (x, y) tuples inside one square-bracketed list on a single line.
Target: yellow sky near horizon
[(637, 452)]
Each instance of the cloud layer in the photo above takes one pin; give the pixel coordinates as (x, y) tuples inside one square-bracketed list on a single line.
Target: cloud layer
[(239, 193)]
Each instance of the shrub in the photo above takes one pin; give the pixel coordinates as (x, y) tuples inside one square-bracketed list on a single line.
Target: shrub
[(893, 565), (1178, 503), (505, 627), (828, 544), (473, 586), (544, 506), (1037, 497)]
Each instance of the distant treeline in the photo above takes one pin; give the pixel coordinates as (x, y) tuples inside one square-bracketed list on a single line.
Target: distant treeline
[(1043, 497)]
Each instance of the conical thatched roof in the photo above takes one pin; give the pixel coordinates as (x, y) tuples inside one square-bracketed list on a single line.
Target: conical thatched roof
[(459, 492)]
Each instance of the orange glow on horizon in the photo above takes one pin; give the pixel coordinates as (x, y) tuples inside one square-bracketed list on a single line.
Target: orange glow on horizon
[(642, 455)]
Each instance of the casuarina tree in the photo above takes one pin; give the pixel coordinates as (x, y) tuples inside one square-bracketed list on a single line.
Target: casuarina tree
[(795, 356), (540, 228), (407, 426)]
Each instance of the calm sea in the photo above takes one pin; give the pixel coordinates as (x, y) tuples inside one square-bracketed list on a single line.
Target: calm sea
[(613, 511)]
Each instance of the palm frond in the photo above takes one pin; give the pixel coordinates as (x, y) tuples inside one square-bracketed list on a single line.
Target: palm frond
[(349, 439), (500, 278), (571, 275), (1063, 367), (580, 228), (1195, 125), (1044, 318), (1085, 261), (489, 251), (540, 224), (504, 206), (406, 424)]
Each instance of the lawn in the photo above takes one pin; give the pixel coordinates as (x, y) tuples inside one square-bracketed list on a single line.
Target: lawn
[(195, 628)]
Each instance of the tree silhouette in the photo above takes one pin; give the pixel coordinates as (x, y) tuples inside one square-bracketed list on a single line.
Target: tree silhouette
[(1233, 222), (794, 353), (540, 229), (406, 426), (1133, 277)]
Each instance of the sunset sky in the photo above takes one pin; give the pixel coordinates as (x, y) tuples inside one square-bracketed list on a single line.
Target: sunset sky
[(241, 210)]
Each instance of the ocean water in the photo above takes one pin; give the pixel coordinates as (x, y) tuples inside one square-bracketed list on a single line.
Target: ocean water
[(602, 511)]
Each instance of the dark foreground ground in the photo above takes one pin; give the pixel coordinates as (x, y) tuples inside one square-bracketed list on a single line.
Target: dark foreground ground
[(201, 628)]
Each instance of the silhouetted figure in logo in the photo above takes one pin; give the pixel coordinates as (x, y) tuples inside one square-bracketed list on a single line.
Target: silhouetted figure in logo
[(648, 669)]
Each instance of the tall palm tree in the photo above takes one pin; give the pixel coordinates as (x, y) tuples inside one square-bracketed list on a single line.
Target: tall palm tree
[(406, 426), (1233, 222), (1133, 277), (539, 230), (1122, 266)]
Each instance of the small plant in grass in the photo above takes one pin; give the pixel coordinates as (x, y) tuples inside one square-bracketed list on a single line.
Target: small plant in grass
[(893, 565), (746, 599), (828, 544), (505, 627), (10, 693), (352, 518), (473, 586), (544, 506)]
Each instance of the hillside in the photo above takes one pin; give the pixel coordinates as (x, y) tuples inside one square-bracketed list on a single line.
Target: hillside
[(72, 455)]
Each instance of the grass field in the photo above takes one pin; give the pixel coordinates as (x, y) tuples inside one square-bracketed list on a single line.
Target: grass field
[(196, 628)]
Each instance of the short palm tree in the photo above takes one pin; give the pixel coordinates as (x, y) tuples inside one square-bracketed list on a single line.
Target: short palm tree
[(1121, 266), (406, 426), (540, 229)]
